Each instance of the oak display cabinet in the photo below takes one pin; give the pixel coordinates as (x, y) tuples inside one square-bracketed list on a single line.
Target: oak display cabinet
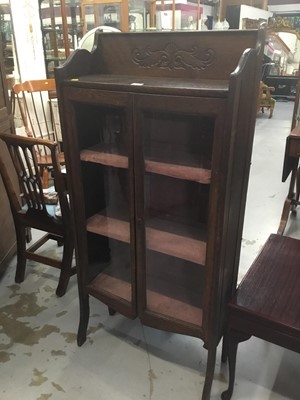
[(157, 131)]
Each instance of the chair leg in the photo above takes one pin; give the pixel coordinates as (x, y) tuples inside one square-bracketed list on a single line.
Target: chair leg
[(284, 216), (28, 235), (45, 177), (233, 339), (66, 267), (210, 369), (21, 258)]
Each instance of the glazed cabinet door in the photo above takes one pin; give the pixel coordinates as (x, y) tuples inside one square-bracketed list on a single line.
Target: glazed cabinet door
[(102, 122), (174, 143)]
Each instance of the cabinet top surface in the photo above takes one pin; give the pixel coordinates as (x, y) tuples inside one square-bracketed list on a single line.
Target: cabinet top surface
[(138, 84)]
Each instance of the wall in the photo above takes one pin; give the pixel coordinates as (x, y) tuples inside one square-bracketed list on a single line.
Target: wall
[(282, 8)]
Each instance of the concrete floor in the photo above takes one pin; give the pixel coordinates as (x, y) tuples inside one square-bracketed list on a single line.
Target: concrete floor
[(122, 359)]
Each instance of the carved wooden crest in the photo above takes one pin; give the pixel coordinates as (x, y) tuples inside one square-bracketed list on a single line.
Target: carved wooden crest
[(172, 57)]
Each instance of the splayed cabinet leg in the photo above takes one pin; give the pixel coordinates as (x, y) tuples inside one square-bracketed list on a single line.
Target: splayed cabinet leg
[(84, 319)]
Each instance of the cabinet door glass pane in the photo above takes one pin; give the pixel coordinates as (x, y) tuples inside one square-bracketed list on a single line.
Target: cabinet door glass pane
[(106, 180), (177, 151)]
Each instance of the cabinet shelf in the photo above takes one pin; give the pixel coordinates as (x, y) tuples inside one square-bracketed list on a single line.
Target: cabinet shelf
[(183, 247), (99, 155), (179, 310), (114, 159), (199, 175), (111, 286), (156, 302), (110, 227)]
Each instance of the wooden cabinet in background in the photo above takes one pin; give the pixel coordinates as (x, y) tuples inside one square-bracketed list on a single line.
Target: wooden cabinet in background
[(158, 131), (7, 232)]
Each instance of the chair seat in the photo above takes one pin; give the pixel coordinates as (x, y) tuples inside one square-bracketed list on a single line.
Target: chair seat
[(51, 210), (45, 160), (269, 293), (266, 304)]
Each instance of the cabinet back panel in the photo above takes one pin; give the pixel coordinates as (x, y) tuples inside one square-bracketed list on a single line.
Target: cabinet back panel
[(176, 199), (206, 55), (179, 279), (183, 140), (96, 124)]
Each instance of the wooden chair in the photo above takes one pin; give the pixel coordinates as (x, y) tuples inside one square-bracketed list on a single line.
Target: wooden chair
[(265, 100), (32, 211), (266, 303), (34, 101)]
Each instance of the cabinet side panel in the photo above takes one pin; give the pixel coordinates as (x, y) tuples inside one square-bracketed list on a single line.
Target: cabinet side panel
[(242, 112)]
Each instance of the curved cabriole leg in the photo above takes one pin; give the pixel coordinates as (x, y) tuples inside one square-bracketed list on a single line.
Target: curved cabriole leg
[(291, 200), (297, 194), (66, 267), (233, 339), (284, 216), (224, 354), (84, 319), (21, 258), (210, 369)]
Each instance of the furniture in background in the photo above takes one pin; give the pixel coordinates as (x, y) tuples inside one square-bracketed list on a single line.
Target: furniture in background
[(284, 86), (8, 240), (265, 99), (296, 111), (291, 166), (33, 101), (158, 134), (104, 12), (61, 28), (262, 4), (266, 303), (33, 212), (7, 39)]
